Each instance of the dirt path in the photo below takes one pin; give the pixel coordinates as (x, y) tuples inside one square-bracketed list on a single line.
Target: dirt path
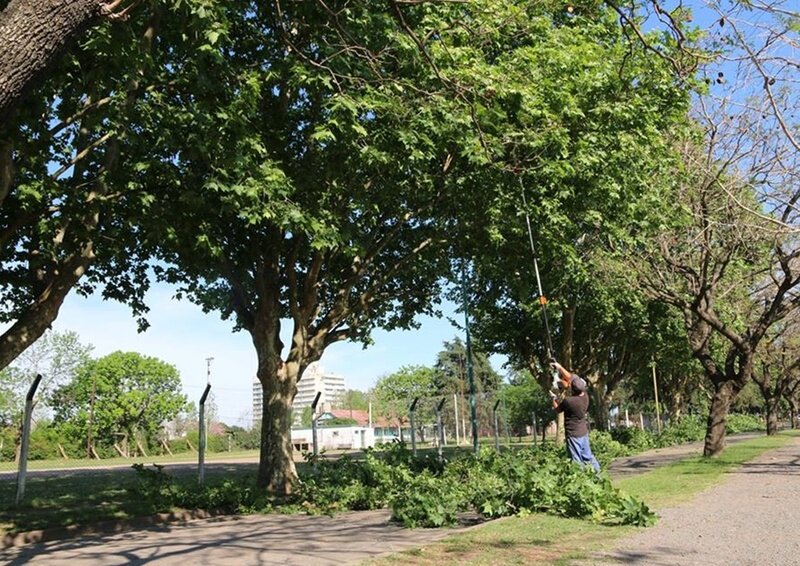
[(753, 518)]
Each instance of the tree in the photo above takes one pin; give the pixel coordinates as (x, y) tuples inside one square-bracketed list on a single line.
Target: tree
[(523, 398), (746, 159), (330, 197), (123, 393), (451, 369), (607, 104), (395, 392), (354, 400), (71, 165), (728, 273), (56, 356)]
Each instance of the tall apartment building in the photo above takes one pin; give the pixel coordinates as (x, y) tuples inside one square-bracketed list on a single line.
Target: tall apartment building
[(314, 380), (258, 401)]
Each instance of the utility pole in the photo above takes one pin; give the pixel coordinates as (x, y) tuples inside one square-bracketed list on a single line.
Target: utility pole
[(470, 369), (655, 391), (89, 440)]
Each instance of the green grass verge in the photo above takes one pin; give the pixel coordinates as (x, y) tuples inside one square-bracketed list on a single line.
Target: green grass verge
[(547, 540), (81, 497), (182, 457)]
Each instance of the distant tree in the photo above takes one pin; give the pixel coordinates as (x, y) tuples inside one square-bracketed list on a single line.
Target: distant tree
[(395, 392), (523, 398), (56, 356), (451, 370), (121, 393), (353, 399)]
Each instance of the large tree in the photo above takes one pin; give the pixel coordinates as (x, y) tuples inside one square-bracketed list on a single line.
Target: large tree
[(70, 168), (322, 184), (121, 394), (594, 137)]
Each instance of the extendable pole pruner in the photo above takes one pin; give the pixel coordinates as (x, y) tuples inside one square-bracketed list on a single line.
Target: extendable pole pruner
[(542, 297)]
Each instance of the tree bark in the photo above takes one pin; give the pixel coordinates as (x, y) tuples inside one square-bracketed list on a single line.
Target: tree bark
[(772, 415), (276, 470), (724, 393), (33, 34), (44, 310)]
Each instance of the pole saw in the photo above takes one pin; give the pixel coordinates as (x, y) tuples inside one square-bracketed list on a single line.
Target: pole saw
[(542, 297)]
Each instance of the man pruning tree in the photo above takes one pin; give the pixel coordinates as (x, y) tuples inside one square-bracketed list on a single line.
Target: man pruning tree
[(574, 408)]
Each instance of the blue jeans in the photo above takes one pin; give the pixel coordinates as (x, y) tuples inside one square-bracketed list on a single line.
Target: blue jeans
[(579, 450)]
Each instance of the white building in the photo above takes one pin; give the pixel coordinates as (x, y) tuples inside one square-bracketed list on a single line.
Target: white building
[(314, 381), (331, 387), (258, 401), (333, 438)]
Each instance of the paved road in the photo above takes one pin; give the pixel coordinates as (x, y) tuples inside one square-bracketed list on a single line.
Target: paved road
[(751, 519)]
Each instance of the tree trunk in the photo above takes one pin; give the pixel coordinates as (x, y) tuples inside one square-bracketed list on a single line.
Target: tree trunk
[(600, 410), (34, 33), (724, 393), (772, 415), (44, 310), (675, 405), (276, 470)]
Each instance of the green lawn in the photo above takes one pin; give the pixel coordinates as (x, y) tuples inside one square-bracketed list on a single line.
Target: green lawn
[(81, 496), (547, 540), (184, 457)]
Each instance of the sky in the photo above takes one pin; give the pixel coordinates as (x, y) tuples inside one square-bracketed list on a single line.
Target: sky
[(182, 335)]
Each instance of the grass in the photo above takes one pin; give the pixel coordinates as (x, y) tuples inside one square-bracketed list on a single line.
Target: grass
[(182, 457), (547, 540), (79, 497)]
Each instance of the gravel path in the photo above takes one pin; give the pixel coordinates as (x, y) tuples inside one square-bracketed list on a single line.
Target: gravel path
[(753, 518)]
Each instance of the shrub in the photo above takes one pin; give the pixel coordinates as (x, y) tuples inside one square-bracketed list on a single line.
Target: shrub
[(688, 428), (634, 438), (739, 422), (605, 448)]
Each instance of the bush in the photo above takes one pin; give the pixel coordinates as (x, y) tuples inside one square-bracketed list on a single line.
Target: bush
[(634, 438), (688, 428), (605, 448), (739, 422)]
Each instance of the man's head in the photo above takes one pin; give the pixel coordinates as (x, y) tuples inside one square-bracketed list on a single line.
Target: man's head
[(577, 384)]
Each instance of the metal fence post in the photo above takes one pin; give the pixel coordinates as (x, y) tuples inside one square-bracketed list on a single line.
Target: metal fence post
[(314, 423), (439, 426), (26, 438), (201, 442), (411, 410), (496, 427)]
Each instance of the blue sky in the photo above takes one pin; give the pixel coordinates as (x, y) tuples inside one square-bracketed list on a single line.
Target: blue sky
[(182, 335)]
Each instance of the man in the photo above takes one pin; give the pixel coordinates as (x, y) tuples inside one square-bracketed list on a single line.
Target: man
[(574, 408)]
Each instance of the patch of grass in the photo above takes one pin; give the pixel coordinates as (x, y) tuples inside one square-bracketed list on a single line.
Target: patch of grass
[(555, 541), (80, 497), (179, 458), (678, 482), (536, 538)]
